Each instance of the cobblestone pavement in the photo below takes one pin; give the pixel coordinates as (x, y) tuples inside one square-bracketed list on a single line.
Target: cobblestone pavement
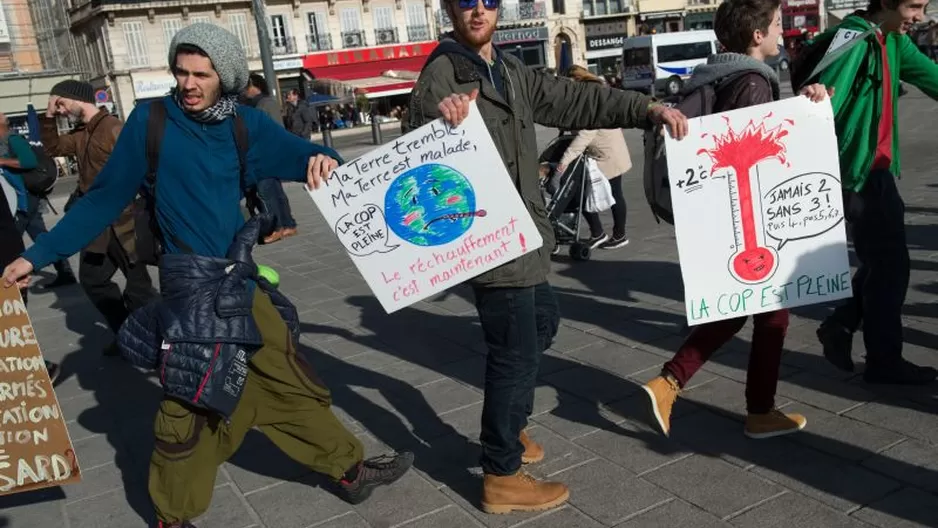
[(412, 380)]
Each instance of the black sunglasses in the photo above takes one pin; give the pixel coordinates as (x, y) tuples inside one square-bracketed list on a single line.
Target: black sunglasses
[(471, 4)]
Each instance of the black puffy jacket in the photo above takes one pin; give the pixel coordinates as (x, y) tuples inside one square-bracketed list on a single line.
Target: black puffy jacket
[(201, 335)]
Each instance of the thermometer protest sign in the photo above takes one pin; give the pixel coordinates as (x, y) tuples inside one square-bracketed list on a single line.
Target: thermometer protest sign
[(758, 210)]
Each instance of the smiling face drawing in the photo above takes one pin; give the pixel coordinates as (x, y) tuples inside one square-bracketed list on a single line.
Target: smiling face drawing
[(430, 205)]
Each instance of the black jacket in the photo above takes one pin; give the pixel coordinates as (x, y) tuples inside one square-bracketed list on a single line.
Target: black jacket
[(201, 334), (11, 241)]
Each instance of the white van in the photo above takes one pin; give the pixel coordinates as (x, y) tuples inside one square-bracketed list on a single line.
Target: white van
[(661, 63)]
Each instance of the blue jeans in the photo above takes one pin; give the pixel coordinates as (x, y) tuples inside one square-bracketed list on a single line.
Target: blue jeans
[(519, 325), (271, 192)]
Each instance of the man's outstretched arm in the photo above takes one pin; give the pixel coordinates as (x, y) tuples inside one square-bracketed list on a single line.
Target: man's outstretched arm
[(917, 69), (113, 188)]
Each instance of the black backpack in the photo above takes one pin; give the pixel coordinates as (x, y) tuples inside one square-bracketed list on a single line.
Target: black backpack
[(40, 180), (149, 238), (697, 103)]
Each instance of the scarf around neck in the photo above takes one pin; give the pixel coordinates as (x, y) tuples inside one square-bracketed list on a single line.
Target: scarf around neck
[(225, 107)]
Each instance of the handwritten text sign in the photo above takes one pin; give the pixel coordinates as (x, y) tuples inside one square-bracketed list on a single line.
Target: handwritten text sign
[(758, 210), (35, 449), (427, 211)]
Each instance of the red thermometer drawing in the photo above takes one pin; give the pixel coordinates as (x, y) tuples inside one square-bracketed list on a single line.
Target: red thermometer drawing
[(752, 261)]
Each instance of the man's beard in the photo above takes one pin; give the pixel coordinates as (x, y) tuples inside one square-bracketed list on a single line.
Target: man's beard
[(474, 39)]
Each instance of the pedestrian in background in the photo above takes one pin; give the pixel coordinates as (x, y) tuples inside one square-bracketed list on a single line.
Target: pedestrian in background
[(608, 148), (257, 95), (16, 155), (113, 249)]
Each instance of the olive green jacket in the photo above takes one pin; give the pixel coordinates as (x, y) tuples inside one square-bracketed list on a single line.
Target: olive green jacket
[(532, 97)]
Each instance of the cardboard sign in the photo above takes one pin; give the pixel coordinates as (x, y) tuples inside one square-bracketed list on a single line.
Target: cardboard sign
[(758, 210), (35, 449), (427, 211)]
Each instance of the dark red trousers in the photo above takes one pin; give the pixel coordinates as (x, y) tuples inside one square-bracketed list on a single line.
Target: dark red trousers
[(768, 338)]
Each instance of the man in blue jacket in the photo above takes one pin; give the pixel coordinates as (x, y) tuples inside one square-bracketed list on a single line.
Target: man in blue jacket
[(198, 212)]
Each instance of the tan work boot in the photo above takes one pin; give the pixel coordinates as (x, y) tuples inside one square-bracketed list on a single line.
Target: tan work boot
[(662, 393), (274, 237), (773, 423), (533, 452), (521, 492)]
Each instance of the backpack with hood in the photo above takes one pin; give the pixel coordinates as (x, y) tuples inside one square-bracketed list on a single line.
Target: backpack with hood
[(697, 99)]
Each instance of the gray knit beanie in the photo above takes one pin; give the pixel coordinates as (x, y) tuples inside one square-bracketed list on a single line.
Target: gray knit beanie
[(222, 47)]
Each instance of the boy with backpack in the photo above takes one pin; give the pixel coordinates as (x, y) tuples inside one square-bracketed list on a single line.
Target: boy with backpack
[(874, 53), (749, 31)]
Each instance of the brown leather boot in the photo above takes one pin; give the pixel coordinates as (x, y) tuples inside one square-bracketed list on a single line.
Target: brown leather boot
[(273, 237), (533, 452), (521, 492)]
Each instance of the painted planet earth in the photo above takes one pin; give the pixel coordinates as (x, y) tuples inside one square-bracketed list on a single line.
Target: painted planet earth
[(430, 205)]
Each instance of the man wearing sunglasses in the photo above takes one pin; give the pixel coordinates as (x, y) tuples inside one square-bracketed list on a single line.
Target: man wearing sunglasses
[(516, 306)]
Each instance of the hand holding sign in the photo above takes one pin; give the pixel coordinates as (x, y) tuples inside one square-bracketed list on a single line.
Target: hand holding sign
[(319, 169)]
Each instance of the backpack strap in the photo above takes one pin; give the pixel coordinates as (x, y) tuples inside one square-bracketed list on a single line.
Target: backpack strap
[(241, 143), (156, 128)]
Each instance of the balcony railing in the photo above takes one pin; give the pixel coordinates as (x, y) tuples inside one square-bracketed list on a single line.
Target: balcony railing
[(318, 42), (418, 33), (353, 39), (385, 36), (283, 45), (508, 13)]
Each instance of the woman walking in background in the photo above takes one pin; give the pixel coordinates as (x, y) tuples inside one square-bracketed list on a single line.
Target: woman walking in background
[(609, 150), (270, 191)]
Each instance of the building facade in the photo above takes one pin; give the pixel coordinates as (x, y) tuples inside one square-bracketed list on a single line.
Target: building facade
[(125, 43), (19, 48), (35, 48)]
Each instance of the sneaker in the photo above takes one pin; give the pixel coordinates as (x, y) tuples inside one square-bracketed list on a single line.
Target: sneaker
[(596, 241), (773, 423), (373, 472), (904, 373), (53, 370), (837, 342), (520, 492), (662, 393), (615, 242), (533, 452), (556, 250)]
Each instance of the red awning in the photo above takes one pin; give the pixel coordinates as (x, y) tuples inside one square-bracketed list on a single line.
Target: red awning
[(379, 72), (382, 86), (363, 70)]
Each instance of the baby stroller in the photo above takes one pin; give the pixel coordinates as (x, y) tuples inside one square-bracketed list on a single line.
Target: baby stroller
[(565, 195)]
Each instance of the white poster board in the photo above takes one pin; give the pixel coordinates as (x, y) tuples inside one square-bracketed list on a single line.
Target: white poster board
[(758, 210), (427, 211)]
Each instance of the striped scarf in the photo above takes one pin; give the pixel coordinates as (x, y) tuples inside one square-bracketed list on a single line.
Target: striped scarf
[(226, 106)]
